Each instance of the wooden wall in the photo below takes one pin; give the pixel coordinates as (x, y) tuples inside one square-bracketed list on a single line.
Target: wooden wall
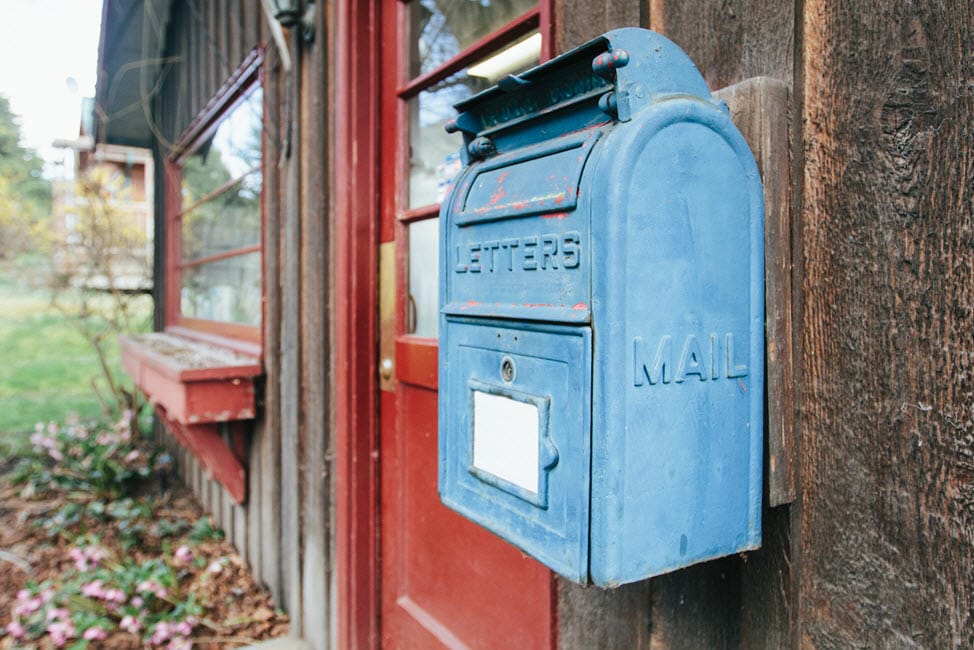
[(887, 450), (283, 530), (877, 549)]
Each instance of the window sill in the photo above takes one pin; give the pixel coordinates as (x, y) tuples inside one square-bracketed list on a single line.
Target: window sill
[(202, 392), (195, 382)]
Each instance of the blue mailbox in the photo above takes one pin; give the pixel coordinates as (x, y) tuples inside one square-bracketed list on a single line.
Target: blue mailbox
[(602, 316)]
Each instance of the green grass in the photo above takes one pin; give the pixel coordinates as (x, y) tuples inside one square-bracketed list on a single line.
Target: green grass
[(46, 366)]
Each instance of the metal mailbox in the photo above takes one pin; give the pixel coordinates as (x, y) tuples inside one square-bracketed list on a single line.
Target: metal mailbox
[(602, 316)]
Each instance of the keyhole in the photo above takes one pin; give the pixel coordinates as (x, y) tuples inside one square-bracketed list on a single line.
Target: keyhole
[(507, 369)]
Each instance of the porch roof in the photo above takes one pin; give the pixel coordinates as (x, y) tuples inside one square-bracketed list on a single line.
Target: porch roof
[(133, 35)]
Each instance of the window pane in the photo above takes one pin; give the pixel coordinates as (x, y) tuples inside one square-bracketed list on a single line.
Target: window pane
[(227, 290), (225, 223), (424, 278), (434, 153), (231, 219), (441, 29)]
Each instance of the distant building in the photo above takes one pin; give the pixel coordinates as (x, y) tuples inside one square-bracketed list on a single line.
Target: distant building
[(129, 172)]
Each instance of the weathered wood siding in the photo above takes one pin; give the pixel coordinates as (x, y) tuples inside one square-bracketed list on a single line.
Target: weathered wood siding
[(887, 452), (283, 530), (877, 548)]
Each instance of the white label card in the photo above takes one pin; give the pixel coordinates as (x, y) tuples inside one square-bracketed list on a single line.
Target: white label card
[(505, 439)]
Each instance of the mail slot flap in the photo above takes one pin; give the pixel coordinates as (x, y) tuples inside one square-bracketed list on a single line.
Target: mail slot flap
[(515, 440), (533, 180)]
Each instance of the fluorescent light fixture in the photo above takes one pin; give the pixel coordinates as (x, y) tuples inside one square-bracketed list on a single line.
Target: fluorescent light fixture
[(515, 58)]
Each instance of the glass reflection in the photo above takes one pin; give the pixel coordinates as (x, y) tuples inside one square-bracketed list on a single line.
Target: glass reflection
[(434, 154), (229, 215), (424, 278), (441, 29), (227, 290)]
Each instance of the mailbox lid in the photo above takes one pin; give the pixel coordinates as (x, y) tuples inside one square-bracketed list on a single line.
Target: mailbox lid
[(679, 345), (515, 446), (516, 237)]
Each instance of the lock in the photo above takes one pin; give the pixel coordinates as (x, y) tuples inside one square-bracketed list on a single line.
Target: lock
[(601, 330)]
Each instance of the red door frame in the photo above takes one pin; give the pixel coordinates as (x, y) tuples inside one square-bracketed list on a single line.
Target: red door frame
[(356, 236), (358, 230)]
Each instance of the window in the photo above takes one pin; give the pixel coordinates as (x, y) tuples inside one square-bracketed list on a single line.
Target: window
[(199, 373), (454, 49), (214, 262)]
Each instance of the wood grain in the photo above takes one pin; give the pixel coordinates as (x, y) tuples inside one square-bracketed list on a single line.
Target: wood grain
[(887, 452)]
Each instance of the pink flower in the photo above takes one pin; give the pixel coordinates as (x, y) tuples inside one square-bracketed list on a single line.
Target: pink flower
[(26, 607), (115, 596), (162, 633), (152, 587), (60, 632), (95, 554), (94, 634), (58, 614), (215, 567), (130, 624), (55, 454), (48, 594), (132, 456), (52, 428), (23, 594), (138, 602), (184, 627), (180, 643), (183, 555), (16, 630), (93, 589), (105, 439)]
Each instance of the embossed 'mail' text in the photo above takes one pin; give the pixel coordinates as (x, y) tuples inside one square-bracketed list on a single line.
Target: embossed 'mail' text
[(701, 358), (535, 253)]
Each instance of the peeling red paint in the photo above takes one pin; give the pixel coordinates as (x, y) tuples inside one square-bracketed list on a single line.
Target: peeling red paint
[(472, 303), (581, 306), (555, 215)]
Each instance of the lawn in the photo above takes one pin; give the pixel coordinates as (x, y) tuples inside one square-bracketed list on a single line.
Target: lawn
[(46, 366)]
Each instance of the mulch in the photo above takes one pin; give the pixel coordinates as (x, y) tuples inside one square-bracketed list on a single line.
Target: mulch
[(238, 610)]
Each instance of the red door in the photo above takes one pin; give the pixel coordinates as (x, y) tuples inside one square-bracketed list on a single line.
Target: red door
[(444, 581)]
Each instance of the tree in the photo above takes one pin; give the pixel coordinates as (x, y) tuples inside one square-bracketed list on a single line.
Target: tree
[(25, 195)]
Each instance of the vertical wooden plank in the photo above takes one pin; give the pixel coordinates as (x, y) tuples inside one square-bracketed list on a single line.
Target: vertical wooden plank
[(268, 527), (315, 340), (226, 515), (698, 607), (577, 21), (731, 40), (759, 108), (252, 15), (211, 32), (589, 617), (887, 451), (233, 21), (291, 456)]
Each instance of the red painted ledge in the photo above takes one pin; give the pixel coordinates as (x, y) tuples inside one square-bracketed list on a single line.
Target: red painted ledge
[(203, 393)]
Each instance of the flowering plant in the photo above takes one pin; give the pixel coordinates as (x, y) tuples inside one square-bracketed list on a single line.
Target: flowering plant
[(100, 460), (101, 595)]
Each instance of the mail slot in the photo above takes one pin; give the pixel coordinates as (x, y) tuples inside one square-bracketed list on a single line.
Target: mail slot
[(602, 316)]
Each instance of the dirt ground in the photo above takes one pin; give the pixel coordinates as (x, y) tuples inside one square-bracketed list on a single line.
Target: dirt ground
[(237, 610)]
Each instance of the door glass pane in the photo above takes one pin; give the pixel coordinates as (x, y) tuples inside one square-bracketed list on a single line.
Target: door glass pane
[(434, 154), (441, 29), (424, 278), (227, 290)]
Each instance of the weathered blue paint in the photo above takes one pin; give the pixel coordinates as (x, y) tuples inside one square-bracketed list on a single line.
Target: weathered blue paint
[(611, 246)]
